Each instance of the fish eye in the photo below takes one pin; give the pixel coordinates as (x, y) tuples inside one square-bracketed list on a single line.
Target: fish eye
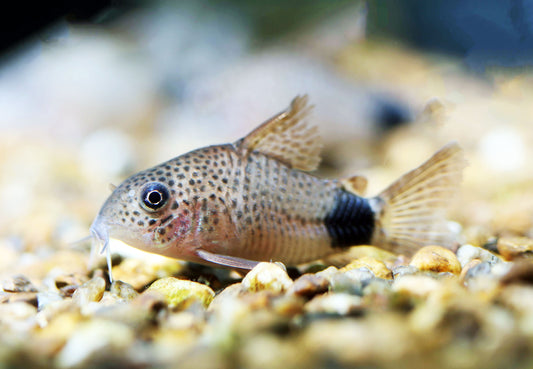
[(154, 196)]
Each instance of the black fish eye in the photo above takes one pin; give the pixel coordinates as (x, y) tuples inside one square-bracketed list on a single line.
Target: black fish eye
[(154, 196)]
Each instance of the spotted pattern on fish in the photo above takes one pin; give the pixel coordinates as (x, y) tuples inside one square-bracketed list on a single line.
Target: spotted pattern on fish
[(254, 200)]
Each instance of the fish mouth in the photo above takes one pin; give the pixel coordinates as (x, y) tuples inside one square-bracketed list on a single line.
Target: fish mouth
[(100, 234)]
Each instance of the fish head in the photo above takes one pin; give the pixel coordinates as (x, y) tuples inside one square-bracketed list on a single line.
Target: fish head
[(145, 212)]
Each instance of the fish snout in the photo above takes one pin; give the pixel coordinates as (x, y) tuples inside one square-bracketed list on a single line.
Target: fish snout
[(99, 231)]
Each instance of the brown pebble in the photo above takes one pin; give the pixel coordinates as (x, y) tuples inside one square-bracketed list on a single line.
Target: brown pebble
[(436, 259), (27, 297), (123, 290), (92, 290), (18, 283), (68, 291), (150, 301), (288, 305), (65, 280), (520, 273), (515, 247), (309, 285)]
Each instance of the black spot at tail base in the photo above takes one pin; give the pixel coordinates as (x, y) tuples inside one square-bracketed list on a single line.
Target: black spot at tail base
[(351, 222)]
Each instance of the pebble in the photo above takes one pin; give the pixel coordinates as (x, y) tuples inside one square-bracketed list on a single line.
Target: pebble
[(230, 293), (92, 340), (361, 252), (477, 268), (256, 353), (436, 259), (515, 247), (182, 293), (467, 253), (309, 285), (60, 280), (27, 297), (352, 281), (377, 267), (123, 291), (46, 298), (416, 285), (140, 273), (287, 305), (521, 272), (328, 273), (350, 342), (53, 335), (54, 309), (377, 286), (335, 303), (226, 315), (402, 270), (519, 297), (267, 276), (18, 316), (90, 291), (18, 284)]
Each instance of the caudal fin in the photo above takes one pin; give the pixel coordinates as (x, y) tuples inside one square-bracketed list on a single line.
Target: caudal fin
[(410, 213)]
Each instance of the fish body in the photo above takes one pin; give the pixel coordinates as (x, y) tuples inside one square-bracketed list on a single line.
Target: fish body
[(254, 200)]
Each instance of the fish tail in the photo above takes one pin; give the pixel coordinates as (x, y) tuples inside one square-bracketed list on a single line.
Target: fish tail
[(410, 213)]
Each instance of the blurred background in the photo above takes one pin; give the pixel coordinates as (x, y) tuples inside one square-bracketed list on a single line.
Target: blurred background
[(90, 94)]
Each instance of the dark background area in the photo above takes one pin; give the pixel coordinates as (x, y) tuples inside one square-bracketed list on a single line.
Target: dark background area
[(482, 33)]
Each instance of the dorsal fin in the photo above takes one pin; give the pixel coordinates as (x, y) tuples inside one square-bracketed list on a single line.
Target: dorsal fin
[(287, 137)]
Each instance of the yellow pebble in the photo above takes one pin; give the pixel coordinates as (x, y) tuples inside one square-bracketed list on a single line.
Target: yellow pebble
[(436, 259), (376, 266), (177, 291), (514, 247)]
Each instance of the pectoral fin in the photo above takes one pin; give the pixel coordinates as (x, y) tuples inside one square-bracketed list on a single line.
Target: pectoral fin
[(287, 137), (226, 260)]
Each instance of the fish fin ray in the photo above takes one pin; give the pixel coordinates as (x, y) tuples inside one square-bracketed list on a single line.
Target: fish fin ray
[(226, 260), (410, 213), (287, 137)]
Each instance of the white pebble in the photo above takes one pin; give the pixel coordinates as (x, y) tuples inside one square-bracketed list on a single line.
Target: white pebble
[(335, 303), (91, 339), (416, 285), (467, 253)]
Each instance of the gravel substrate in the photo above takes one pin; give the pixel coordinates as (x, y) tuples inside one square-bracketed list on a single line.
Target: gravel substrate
[(461, 308)]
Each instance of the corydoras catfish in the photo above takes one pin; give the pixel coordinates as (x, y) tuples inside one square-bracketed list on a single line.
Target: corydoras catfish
[(254, 200)]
